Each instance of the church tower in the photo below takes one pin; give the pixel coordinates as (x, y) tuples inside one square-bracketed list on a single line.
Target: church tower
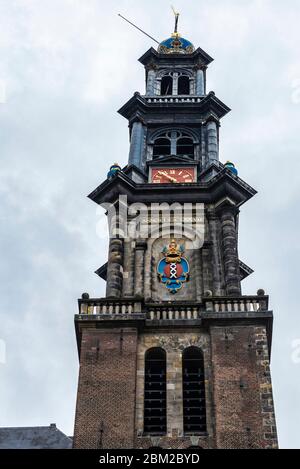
[(174, 356)]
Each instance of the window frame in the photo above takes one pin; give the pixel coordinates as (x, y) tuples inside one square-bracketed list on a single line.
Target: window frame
[(174, 136), (190, 386), (149, 374)]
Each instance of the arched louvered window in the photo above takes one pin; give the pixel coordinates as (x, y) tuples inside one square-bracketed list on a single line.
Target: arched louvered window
[(185, 147), (183, 85), (166, 85), (161, 147), (155, 395), (194, 411)]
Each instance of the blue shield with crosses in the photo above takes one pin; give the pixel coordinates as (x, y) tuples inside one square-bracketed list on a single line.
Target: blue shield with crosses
[(173, 269)]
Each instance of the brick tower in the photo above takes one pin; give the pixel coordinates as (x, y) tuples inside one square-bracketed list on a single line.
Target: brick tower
[(174, 356)]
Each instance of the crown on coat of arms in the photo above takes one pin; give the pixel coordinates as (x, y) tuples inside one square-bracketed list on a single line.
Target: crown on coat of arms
[(173, 253)]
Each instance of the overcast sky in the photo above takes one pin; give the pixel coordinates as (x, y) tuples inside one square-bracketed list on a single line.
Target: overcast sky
[(66, 66)]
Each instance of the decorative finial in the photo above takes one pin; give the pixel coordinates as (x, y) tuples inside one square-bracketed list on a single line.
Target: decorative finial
[(113, 170), (176, 13), (229, 165)]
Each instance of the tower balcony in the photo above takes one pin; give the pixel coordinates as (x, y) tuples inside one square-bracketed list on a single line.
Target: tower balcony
[(171, 99), (212, 311), (107, 308)]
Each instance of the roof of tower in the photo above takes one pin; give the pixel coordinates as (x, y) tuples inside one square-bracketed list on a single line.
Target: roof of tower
[(176, 45)]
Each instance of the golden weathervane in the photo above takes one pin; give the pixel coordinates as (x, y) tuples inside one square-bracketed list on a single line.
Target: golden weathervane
[(176, 13)]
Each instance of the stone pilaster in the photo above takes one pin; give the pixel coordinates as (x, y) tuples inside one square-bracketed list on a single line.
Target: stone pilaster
[(150, 91), (204, 156), (212, 142), (115, 268), (139, 270), (206, 267), (230, 251), (129, 264), (136, 144), (200, 82), (198, 274), (216, 254), (174, 394)]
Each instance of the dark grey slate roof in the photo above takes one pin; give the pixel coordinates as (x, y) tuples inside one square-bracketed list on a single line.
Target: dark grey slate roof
[(34, 438)]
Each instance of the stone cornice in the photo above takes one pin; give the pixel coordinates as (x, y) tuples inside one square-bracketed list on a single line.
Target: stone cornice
[(218, 188), (143, 108)]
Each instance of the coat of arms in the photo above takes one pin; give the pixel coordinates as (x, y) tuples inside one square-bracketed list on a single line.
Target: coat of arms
[(173, 269)]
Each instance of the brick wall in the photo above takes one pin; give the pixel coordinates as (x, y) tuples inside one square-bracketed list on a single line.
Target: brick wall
[(105, 409), (244, 412), (240, 410)]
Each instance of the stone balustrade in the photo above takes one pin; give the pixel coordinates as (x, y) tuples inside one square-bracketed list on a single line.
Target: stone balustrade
[(240, 304), (174, 99), (103, 306), (165, 311), (171, 313)]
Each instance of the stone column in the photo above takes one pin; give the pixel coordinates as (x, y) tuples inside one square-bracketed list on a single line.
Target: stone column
[(140, 249), (230, 252), (200, 86), (150, 91), (212, 142), (216, 254), (136, 144), (114, 281)]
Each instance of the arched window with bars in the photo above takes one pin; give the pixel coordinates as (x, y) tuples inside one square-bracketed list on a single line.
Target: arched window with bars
[(193, 389), (155, 393)]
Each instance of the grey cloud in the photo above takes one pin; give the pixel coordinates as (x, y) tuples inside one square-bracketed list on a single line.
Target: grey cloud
[(68, 67)]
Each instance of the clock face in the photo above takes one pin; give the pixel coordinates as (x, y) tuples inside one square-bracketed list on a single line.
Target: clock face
[(172, 175)]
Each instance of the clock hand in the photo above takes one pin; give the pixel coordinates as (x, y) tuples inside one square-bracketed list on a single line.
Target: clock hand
[(167, 176)]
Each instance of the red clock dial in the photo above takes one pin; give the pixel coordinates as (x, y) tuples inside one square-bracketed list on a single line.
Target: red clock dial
[(172, 175)]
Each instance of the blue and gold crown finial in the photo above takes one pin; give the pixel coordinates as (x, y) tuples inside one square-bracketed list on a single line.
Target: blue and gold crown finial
[(176, 44), (113, 170), (229, 165)]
